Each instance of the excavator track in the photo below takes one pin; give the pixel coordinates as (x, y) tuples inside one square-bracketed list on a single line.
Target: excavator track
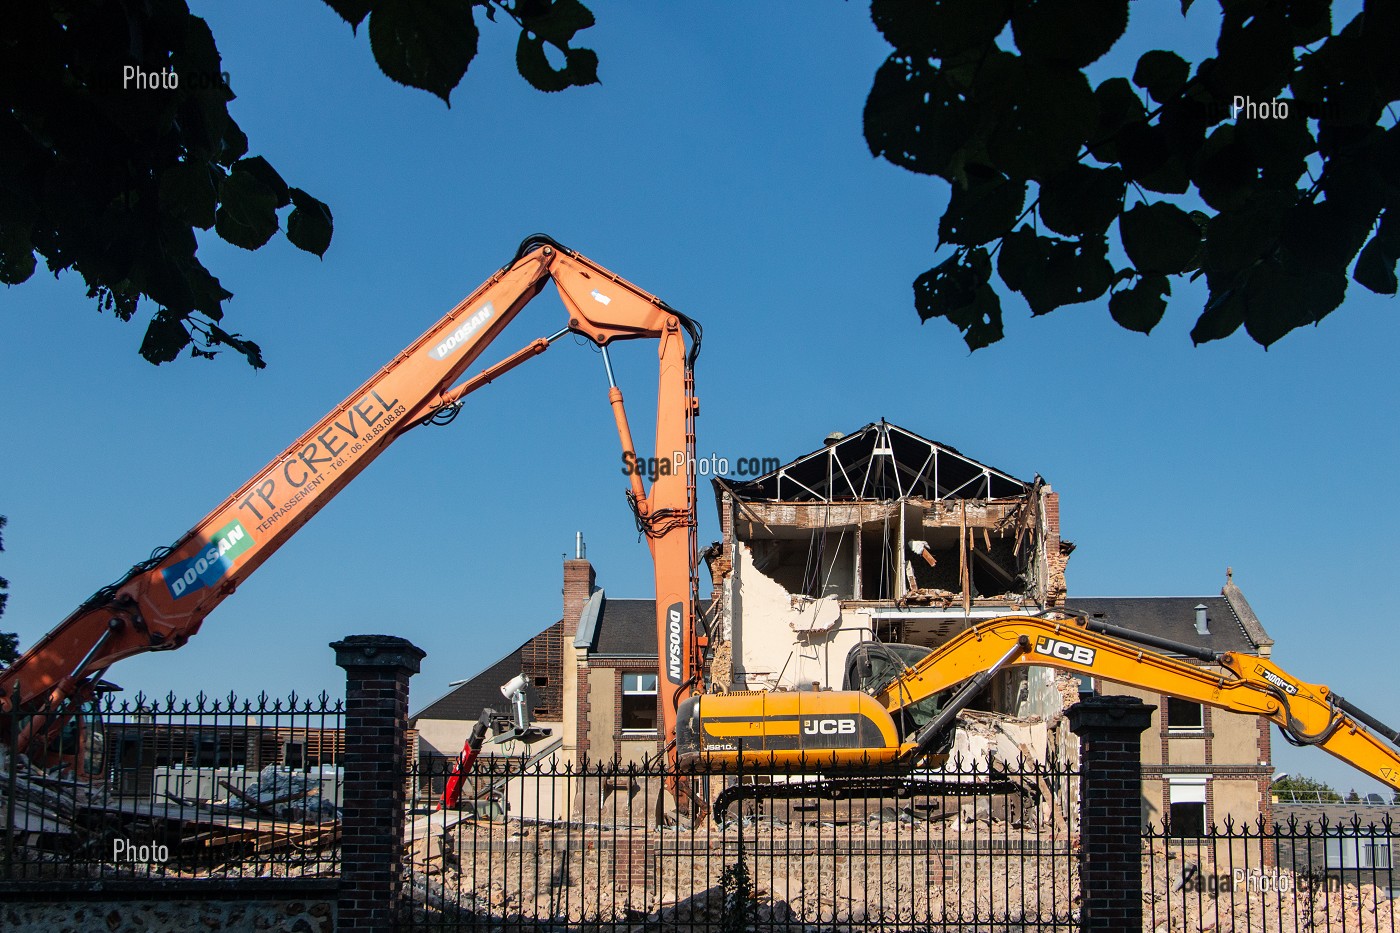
[(886, 787)]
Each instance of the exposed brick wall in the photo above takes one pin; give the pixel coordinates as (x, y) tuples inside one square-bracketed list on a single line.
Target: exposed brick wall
[(584, 708), (377, 669), (542, 660), (1052, 520), (1110, 735)]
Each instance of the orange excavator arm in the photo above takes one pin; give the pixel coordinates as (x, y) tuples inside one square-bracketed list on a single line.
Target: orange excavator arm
[(162, 602), (1307, 714)]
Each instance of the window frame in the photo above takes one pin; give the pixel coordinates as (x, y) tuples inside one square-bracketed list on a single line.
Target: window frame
[(1198, 727), (654, 692)]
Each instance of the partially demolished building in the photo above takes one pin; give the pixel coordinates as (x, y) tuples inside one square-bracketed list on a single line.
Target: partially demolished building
[(880, 534)]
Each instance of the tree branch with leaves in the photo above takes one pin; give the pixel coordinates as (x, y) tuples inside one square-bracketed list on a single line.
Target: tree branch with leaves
[(112, 183), (1271, 211)]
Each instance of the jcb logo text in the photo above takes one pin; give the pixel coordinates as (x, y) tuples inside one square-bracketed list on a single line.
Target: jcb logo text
[(1065, 651), (829, 727)]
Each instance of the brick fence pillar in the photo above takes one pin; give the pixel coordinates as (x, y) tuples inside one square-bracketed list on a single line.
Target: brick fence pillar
[(1110, 810), (377, 669)]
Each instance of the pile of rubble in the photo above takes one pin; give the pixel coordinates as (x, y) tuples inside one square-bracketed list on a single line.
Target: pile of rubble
[(59, 820)]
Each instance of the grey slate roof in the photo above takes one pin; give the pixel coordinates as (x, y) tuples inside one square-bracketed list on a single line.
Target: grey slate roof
[(466, 701), (627, 629), (1174, 617)]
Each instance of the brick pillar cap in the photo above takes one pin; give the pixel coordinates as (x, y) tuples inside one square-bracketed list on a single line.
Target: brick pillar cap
[(1109, 713), (378, 651)]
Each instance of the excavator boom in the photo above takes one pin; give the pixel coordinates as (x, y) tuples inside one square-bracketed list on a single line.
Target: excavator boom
[(162, 602), (850, 728)]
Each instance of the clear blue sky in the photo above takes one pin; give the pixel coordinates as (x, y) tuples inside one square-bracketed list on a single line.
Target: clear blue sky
[(720, 165)]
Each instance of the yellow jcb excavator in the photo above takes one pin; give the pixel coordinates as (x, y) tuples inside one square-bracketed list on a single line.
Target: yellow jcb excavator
[(899, 702)]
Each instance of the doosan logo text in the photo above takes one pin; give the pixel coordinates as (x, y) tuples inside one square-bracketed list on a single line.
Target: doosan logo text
[(210, 564), (673, 644), (458, 337)]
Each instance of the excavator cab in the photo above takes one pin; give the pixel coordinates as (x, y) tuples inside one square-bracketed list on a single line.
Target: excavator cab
[(872, 666)]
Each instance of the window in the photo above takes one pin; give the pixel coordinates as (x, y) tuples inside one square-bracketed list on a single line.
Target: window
[(294, 754), (1184, 716), (1358, 851), (1188, 807), (638, 702)]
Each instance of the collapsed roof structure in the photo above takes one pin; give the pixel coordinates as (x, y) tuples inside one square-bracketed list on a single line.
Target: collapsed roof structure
[(880, 533)]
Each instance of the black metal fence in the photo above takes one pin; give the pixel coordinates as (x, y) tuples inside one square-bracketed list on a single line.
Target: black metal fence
[(602, 846), (176, 789), (241, 789), (1286, 877)]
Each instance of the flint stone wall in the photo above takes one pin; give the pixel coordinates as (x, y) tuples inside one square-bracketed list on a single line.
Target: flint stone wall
[(276, 906)]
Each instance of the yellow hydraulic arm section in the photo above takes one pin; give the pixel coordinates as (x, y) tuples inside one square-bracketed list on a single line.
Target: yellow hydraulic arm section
[(1308, 714), (160, 603)]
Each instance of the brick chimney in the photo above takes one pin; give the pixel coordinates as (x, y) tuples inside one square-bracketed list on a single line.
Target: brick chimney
[(578, 586)]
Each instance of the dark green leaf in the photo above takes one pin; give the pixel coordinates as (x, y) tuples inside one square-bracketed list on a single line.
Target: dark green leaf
[(1141, 307), (1223, 315), (16, 253), (1238, 238), (1224, 172), (250, 350), (259, 168), (309, 226), (234, 144), (914, 119), (1045, 112), (982, 211), (1150, 157), (1326, 236), (1159, 238), (247, 214), (1082, 199), (352, 11), (208, 295), (1309, 21), (580, 66), (1375, 268), (1279, 147), (197, 62), (1069, 32), (426, 44), (1254, 55), (558, 22), (1118, 105), (958, 289), (1280, 298), (187, 194), (166, 336), (1161, 74), (1050, 273), (939, 28)]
